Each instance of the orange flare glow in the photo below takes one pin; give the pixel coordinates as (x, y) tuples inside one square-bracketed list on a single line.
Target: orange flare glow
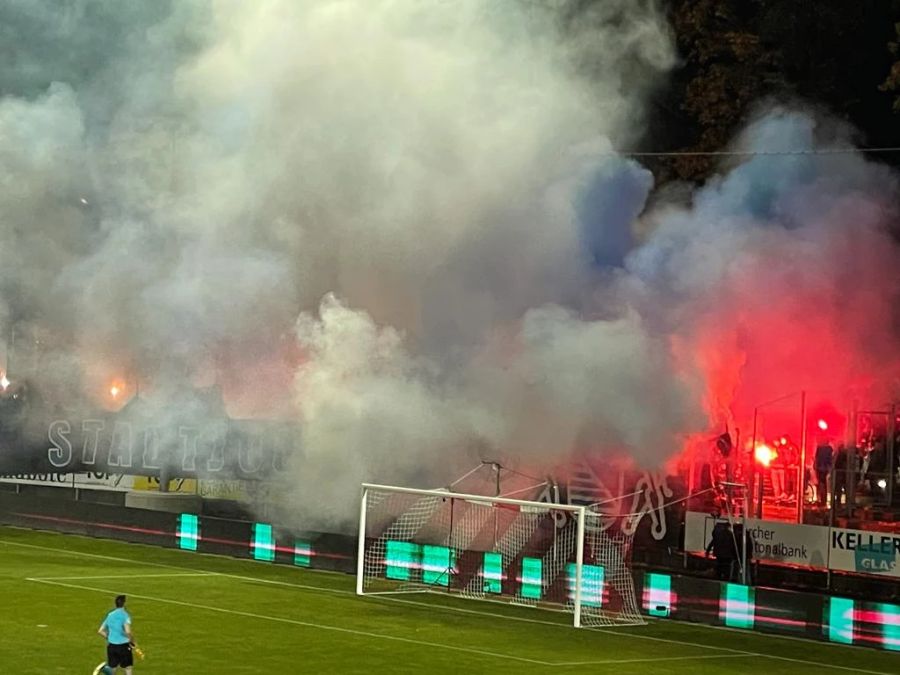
[(764, 454)]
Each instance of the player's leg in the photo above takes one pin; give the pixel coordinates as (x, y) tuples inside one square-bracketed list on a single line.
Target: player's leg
[(127, 659)]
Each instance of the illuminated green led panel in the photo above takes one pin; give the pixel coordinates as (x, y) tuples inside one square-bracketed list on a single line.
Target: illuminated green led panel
[(302, 553), (263, 544), (532, 579), (890, 626), (658, 594), (591, 584), (188, 531), (401, 557), (738, 606), (437, 565), (840, 620), (492, 572)]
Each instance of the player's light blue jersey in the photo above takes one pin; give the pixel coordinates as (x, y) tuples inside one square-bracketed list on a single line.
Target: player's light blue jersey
[(115, 623)]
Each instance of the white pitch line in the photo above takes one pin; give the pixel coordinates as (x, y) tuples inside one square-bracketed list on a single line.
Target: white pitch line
[(390, 637), (125, 576), (96, 556), (658, 659), (617, 633), (257, 580), (826, 665), (465, 610), (771, 636), (306, 624), (372, 598), (758, 654), (622, 633)]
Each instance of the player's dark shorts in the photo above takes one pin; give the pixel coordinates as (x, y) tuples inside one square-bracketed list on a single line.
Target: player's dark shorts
[(119, 656)]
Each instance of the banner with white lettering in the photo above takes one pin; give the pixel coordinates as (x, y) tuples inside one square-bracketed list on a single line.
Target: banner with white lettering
[(187, 437), (865, 551), (773, 541), (821, 547)]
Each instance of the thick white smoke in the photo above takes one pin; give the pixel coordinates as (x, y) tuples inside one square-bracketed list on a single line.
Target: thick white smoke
[(427, 185), (217, 168)]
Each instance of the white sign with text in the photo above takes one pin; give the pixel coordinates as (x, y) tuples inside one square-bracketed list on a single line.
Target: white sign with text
[(106, 481), (814, 546), (773, 541), (865, 552)]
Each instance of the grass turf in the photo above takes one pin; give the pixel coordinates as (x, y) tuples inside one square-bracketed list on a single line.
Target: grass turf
[(196, 613)]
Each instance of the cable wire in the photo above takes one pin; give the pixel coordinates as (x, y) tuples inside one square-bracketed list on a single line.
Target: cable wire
[(753, 153)]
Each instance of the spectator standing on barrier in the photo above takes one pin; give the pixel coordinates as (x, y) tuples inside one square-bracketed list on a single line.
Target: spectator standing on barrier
[(823, 464), (878, 465), (723, 548), (779, 491), (792, 467)]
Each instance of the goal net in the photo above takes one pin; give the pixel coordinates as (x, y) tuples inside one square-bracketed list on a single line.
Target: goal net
[(529, 553)]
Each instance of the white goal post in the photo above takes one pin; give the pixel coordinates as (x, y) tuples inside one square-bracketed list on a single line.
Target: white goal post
[(557, 556)]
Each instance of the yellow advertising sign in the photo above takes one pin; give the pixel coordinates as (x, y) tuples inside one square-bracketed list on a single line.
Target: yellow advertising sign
[(151, 484)]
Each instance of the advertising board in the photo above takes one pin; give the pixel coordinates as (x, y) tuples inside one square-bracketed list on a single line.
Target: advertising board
[(813, 546), (86, 479), (773, 541)]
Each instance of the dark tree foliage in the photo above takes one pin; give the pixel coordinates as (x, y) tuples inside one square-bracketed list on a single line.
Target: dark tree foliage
[(892, 82), (737, 55)]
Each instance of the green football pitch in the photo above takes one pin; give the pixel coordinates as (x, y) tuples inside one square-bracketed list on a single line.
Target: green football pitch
[(198, 613)]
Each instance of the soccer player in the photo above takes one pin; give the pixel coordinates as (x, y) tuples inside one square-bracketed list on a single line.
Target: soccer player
[(116, 630)]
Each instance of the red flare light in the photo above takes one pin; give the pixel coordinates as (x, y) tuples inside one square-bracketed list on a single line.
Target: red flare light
[(764, 454), (823, 425)]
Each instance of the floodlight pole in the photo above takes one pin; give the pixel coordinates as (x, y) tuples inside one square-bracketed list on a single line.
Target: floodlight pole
[(801, 478), (754, 470), (891, 448), (852, 456), (745, 537)]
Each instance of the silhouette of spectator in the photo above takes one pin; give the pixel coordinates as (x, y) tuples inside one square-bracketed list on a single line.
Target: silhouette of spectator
[(878, 465), (721, 544), (823, 464), (841, 479), (792, 463), (779, 489)]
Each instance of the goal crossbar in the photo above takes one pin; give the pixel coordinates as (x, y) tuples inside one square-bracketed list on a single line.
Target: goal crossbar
[(483, 499)]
